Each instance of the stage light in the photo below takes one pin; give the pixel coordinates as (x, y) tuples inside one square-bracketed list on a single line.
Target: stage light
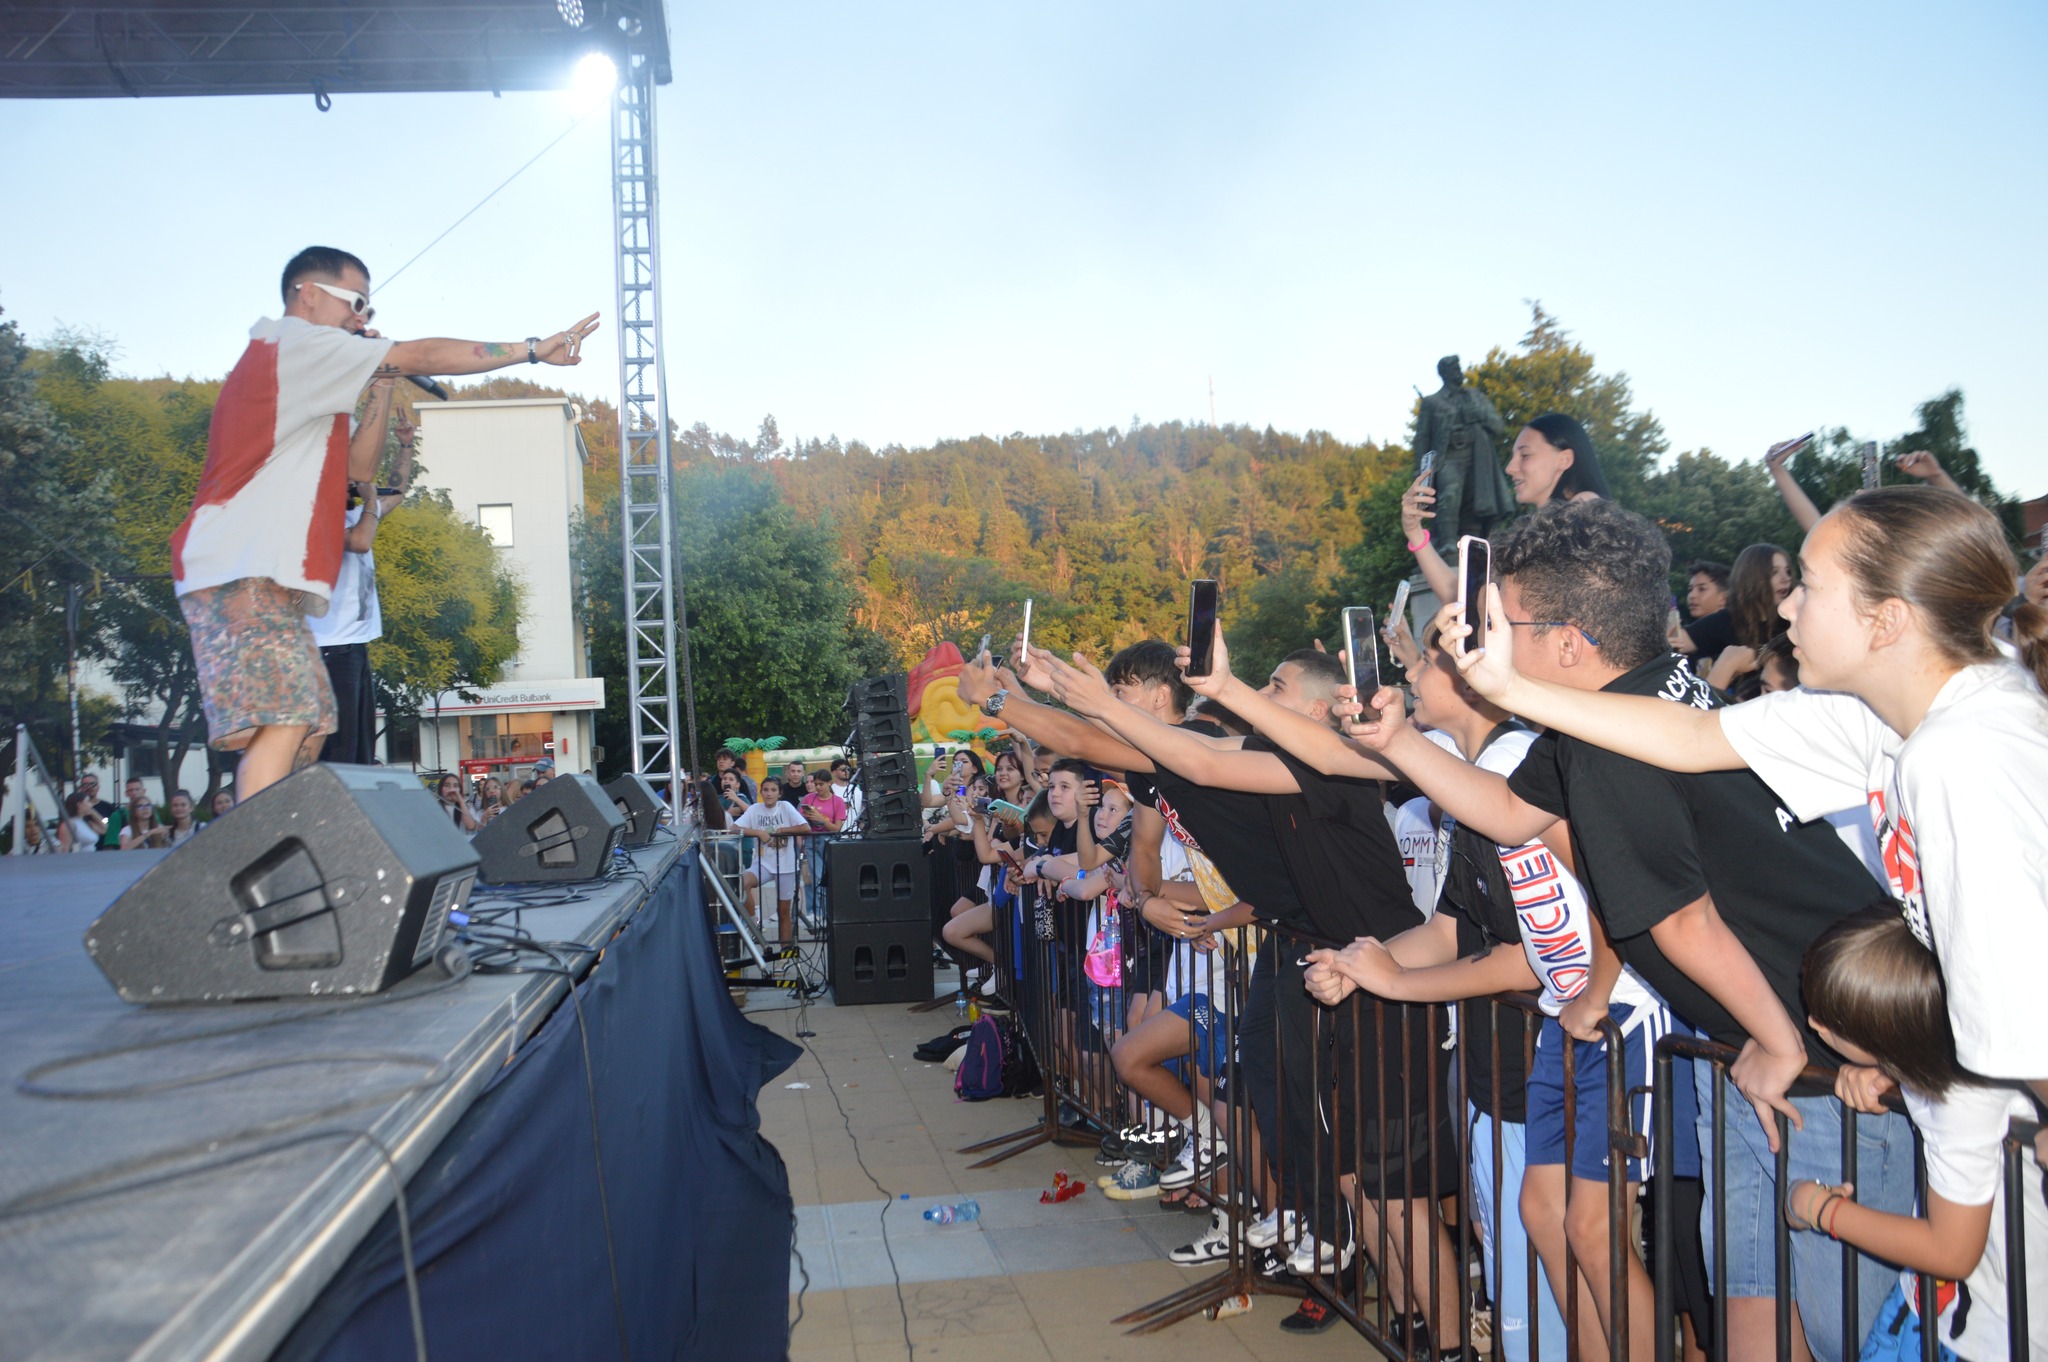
[(571, 12), (592, 82)]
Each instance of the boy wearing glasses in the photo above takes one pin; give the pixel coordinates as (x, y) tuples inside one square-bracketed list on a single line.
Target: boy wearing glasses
[(263, 544)]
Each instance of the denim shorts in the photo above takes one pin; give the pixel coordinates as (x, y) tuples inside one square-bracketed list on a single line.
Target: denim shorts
[(1641, 1028)]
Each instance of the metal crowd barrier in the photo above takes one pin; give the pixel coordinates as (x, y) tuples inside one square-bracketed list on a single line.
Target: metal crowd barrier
[(2019, 1136)]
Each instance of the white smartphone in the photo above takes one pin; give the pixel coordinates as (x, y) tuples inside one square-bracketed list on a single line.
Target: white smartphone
[(1024, 644), (1395, 614), (1475, 568)]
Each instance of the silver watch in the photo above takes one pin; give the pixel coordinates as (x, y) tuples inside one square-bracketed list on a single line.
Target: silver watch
[(994, 704)]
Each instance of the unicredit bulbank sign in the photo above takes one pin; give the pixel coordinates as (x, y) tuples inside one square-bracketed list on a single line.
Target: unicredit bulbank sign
[(574, 693)]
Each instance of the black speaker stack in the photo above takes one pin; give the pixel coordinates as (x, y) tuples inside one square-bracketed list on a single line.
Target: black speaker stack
[(880, 897), (878, 717)]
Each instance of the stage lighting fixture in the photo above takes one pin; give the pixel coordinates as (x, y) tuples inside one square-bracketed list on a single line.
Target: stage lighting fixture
[(571, 12), (592, 82)]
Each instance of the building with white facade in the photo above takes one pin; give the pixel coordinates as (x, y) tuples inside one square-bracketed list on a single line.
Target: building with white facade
[(514, 467)]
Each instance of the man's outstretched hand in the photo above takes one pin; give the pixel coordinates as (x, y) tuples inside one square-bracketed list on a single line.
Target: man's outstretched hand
[(566, 347)]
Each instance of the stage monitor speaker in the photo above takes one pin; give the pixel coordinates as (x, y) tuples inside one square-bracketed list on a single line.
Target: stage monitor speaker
[(878, 881), (561, 831), (638, 804), (881, 962), (335, 881), (877, 733), (896, 813), (878, 695)]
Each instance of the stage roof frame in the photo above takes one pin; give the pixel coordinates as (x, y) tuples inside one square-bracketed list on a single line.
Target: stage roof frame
[(315, 47)]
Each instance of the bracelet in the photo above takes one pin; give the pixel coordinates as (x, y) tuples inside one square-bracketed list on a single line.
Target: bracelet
[(1419, 545), (1813, 1221), (1839, 1199)]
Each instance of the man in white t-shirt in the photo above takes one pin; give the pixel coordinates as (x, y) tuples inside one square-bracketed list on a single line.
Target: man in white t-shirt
[(354, 619), (264, 542)]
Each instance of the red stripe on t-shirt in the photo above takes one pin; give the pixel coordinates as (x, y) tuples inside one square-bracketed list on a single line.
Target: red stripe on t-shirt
[(327, 532), (240, 438)]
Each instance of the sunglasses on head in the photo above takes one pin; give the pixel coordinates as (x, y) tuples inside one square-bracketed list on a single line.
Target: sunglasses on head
[(357, 303)]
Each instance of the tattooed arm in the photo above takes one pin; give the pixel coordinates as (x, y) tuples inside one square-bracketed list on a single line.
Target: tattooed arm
[(441, 356)]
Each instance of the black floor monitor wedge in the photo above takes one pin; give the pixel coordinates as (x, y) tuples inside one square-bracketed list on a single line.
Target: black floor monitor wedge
[(335, 881), (563, 830), (638, 804)]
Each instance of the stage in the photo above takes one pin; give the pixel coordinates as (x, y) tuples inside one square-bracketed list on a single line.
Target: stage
[(250, 1214)]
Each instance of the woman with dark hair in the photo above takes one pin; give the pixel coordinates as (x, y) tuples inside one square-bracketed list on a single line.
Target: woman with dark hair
[(1758, 583), (82, 827), (1552, 460), (449, 791)]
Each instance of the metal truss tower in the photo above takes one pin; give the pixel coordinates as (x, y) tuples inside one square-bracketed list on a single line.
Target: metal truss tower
[(656, 644)]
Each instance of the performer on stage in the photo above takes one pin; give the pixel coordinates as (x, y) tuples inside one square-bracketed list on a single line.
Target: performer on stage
[(263, 544)]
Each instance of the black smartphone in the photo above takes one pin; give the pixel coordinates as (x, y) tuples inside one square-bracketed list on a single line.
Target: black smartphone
[(1475, 567), (1361, 654), (1201, 626)]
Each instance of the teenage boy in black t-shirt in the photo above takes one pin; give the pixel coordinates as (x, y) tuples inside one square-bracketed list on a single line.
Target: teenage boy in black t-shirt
[(1705, 885), (1342, 878)]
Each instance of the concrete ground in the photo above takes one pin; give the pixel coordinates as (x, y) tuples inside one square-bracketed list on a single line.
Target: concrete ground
[(1027, 1281)]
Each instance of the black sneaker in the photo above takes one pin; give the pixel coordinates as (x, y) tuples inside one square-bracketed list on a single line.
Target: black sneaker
[(1271, 1264), (1310, 1317)]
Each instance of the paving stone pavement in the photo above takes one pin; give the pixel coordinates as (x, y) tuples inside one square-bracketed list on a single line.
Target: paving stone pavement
[(1028, 1281)]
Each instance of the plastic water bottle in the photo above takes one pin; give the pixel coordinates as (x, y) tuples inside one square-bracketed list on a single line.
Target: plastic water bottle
[(943, 1214), (960, 1004)]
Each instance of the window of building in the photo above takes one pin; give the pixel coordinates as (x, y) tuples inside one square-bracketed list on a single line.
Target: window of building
[(402, 742), (496, 521)]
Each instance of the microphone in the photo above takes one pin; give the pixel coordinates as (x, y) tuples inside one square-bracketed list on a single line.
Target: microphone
[(429, 385)]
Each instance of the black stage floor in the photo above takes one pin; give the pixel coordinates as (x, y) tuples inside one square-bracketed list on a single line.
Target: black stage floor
[(201, 1220)]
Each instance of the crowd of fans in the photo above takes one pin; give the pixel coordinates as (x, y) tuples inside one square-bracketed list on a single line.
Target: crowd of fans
[(1638, 818)]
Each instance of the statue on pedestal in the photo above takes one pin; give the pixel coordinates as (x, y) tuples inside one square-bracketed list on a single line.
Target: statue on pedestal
[(1473, 494)]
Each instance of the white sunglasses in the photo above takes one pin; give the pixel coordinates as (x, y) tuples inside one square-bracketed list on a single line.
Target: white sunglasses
[(358, 303)]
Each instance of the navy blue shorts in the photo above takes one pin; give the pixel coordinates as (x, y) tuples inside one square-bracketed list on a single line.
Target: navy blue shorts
[(1589, 1152)]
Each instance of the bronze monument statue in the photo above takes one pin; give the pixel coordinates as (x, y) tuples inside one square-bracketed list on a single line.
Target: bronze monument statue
[(1472, 490)]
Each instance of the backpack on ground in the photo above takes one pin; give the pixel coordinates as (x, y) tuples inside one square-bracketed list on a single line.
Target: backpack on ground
[(994, 1063)]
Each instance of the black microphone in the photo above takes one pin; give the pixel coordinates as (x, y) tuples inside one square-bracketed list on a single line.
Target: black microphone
[(429, 385)]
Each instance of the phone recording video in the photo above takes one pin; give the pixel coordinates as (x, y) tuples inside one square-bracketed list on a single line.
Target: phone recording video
[(1428, 464), (1201, 627), (1475, 568), (1362, 656)]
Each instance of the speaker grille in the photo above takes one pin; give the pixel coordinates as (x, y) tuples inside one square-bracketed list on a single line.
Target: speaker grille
[(554, 841), (449, 894)]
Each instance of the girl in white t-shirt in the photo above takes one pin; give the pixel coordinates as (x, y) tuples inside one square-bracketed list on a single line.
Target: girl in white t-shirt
[(1908, 708), (774, 824), (1876, 996)]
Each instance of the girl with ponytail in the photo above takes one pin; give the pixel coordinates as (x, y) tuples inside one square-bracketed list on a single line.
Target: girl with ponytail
[(1908, 707)]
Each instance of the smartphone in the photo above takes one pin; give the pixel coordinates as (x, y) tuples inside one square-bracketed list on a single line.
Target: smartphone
[(1475, 567), (1428, 464), (1201, 626), (1868, 456), (1361, 654), (1024, 639), (1006, 808), (1397, 613), (982, 649), (981, 806)]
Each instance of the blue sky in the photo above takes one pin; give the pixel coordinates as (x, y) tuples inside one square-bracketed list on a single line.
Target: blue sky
[(901, 223)]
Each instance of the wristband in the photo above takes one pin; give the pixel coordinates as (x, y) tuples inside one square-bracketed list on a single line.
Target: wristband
[(532, 350), (1839, 1199), (1419, 545)]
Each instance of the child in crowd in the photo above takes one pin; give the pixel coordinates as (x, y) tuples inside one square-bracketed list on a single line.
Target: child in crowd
[(774, 825), (1876, 996)]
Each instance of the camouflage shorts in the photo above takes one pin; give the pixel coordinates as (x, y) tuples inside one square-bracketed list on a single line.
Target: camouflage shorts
[(258, 664)]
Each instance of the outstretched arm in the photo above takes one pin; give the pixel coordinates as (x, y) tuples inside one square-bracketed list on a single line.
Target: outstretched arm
[(1655, 731), (1417, 507), (1778, 459), (1202, 760), (442, 356), (1070, 735), (1312, 742)]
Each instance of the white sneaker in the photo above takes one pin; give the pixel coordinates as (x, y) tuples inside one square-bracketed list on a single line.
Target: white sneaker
[(1267, 1230), (1212, 1247), (1312, 1257), (1198, 1160)]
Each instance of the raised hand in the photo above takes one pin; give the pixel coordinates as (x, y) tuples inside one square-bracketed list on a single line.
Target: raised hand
[(1029, 665), (978, 679), (1080, 686), (1219, 677), (1416, 507), (566, 347), (1922, 465), (1488, 668), (1783, 450), (1375, 728)]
